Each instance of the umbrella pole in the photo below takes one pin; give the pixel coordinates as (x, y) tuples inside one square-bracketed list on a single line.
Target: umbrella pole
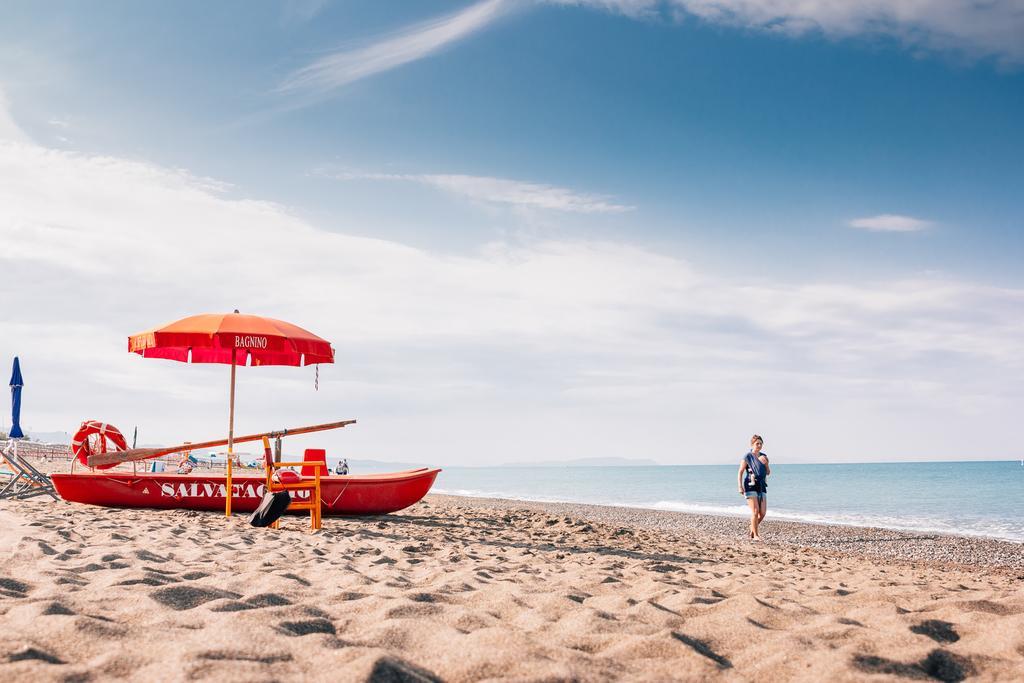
[(231, 439)]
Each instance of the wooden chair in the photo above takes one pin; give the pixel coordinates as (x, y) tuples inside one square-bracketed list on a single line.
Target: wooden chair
[(311, 484)]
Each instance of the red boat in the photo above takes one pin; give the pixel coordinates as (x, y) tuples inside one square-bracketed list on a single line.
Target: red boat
[(352, 494)]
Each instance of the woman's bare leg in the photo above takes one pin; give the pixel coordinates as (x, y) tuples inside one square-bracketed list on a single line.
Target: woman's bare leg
[(755, 515), (762, 509)]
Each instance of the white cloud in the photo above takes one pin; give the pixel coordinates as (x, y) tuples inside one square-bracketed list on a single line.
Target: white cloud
[(890, 222), (502, 191), (537, 349), (631, 8), (978, 29), (407, 45), (9, 130), (301, 11)]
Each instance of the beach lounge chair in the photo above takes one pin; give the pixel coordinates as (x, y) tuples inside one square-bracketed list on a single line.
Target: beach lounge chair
[(295, 483), (25, 480)]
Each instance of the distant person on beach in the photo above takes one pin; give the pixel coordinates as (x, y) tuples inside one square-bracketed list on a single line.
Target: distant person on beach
[(753, 485), (342, 467), (185, 465)]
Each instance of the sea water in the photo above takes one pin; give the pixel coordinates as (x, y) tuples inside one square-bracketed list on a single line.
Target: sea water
[(968, 498)]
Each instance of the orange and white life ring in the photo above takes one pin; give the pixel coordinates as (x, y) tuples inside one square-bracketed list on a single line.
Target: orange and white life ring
[(95, 437)]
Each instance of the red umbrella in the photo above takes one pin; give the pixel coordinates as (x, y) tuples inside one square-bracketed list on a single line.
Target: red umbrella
[(236, 339)]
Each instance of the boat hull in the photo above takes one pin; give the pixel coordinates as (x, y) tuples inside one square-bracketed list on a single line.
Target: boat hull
[(352, 495)]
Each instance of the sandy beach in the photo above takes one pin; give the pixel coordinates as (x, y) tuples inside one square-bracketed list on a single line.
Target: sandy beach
[(461, 589)]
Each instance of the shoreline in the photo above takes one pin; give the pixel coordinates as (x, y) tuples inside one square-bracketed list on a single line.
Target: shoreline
[(861, 541), (786, 517)]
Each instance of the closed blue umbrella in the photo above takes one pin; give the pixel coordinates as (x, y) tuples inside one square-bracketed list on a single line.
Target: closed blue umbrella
[(16, 384)]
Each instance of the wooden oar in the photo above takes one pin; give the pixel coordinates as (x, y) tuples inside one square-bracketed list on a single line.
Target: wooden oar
[(145, 453)]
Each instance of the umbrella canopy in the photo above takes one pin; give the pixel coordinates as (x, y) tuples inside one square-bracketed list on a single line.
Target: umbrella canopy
[(16, 383), (232, 338), (236, 339)]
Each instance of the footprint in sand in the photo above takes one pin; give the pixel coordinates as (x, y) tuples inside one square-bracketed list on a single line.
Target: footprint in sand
[(413, 611), (46, 548), (394, 669), (988, 607), (147, 556), (705, 601), (154, 570), (12, 588), (703, 649), (29, 653), (937, 630), (255, 602), (299, 579), (188, 597), (352, 595), (149, 580), (940, 664), (268, 600), (67, 580), (235, 656), (306, 627), (99, 628), (57, 608)]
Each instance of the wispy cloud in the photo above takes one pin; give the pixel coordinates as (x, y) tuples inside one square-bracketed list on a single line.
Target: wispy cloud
[(407, 45), (631, 8), (502, 191), (9, 130), (890, 222), (978, 29), (300, 11)]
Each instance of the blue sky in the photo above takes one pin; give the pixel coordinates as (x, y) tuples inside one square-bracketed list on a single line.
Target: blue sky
[(632, 211)]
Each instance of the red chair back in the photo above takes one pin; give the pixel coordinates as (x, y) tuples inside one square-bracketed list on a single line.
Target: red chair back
[(314, 454), (268, 455)]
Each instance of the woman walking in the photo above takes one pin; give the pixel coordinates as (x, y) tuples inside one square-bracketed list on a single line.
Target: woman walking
[(751, 480)]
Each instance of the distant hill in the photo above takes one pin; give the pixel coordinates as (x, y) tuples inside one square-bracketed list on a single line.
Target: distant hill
[(357, 466), (588, 462)]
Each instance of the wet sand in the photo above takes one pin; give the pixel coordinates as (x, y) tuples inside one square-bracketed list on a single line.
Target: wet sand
[(461, 589)]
